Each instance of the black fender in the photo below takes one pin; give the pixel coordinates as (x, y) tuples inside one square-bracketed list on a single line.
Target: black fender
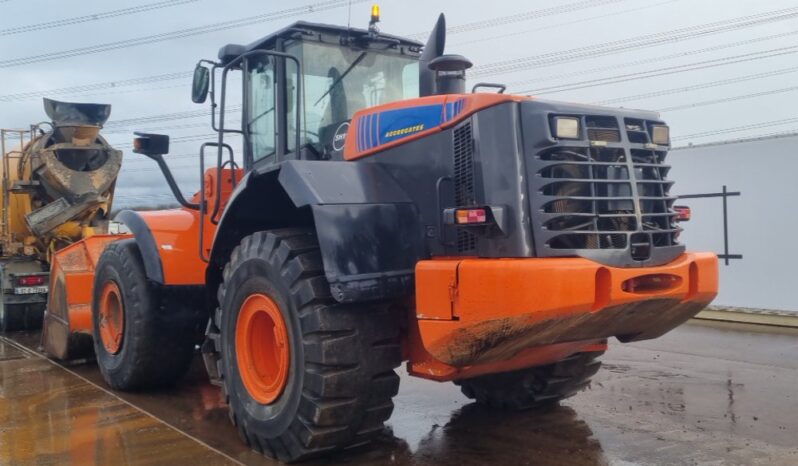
[(146, 243), (368, 227)]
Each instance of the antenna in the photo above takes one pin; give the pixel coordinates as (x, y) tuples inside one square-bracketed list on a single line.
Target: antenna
[(349, 19)]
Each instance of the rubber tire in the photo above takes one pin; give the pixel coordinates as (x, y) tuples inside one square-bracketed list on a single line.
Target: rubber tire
[(160, 326), (535, 386), (341, 380), (28, 316)]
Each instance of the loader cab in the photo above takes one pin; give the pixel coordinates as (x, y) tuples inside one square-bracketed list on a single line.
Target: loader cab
[(303, 84)]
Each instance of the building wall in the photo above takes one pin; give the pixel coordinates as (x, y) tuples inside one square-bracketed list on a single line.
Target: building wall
[(763, 221)]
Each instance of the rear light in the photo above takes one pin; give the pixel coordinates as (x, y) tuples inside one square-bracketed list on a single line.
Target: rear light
[(31, 280), (683, 213), (470, 216)]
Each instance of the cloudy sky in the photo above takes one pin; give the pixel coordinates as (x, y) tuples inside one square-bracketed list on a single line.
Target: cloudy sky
[(716, 70)]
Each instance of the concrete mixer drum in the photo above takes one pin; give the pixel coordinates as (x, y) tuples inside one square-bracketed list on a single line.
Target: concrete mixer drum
[(58, 180)]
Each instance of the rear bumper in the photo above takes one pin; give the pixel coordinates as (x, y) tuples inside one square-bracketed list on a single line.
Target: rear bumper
[(477, 316)]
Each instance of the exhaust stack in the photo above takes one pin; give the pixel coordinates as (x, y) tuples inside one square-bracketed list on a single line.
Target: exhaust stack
[(441, 74)]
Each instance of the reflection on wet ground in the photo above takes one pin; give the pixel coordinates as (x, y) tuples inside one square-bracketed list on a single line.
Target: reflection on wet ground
[(700, 395)]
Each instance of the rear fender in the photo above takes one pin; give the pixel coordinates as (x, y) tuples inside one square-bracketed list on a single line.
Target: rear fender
[(169, 244)]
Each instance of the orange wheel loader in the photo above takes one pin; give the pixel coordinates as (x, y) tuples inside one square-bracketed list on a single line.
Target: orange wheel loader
[(382, 213)]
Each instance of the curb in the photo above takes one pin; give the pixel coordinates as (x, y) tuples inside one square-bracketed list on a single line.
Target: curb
[(750, 316)]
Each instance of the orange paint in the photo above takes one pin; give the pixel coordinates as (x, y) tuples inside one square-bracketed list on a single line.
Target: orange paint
[(502, 308), (262, 348), (176, 231), (112, 317), (176, 234), (71, 292), (471, 103)]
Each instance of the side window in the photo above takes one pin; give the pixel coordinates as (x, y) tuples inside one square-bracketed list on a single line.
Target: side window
[(260, 105)]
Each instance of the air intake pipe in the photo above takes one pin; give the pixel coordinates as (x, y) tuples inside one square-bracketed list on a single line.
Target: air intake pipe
[(441, 74)]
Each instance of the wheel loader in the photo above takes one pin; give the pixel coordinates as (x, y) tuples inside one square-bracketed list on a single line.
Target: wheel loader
[(58, 180), (382, 213)]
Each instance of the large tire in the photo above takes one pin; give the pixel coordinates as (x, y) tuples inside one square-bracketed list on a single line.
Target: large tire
[(535, 386), (156, 327), (336, 382), (21, 316)]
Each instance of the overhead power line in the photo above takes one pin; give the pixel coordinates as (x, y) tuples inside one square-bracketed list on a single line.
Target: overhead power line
[(704, 103), (73, 90), (115, 85), (92, 17), (652, 59), (704, 64), (695, 87), (204, 112), (519, 17), (628, 44), (737, 129), (189, 138), (482, 39), (179, 34), (790, 133)]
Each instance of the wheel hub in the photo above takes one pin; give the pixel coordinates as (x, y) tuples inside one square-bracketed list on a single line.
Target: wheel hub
[(262, 350), (112, 317)]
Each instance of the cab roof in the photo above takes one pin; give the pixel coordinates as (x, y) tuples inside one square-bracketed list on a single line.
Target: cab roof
[(303, 27)]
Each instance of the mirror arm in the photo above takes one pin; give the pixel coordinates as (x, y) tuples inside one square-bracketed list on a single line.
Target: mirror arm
[(170, 180)]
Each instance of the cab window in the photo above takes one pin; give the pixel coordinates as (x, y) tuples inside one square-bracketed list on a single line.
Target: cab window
[(339, 81), (260, 108)]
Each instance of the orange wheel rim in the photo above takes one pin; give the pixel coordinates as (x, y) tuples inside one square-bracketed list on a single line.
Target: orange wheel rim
[(112, 317), (262, 349)]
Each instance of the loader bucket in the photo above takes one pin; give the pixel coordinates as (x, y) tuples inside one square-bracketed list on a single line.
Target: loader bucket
[(67, 332)]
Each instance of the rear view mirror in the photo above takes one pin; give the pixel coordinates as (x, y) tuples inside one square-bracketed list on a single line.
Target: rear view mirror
[(150, 144), (199, 88)]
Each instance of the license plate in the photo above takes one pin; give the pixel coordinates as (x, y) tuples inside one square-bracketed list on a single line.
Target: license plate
[(30, 289)]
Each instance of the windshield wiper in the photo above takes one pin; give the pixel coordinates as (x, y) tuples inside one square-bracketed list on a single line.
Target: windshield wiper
[(341, 78)]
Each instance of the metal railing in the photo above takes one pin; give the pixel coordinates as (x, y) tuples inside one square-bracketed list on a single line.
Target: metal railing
[(725, 194)]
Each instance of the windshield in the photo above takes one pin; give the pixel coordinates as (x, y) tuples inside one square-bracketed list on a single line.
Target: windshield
[(340, 81)]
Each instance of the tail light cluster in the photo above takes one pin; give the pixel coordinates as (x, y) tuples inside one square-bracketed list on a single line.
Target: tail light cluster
[(31, 280)]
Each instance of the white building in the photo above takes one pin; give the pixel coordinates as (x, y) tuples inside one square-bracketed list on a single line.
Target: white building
[(762, 221)]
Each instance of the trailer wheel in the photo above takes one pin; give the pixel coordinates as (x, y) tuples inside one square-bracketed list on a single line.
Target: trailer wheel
[(302, 374), (21, 316), (535, 386), (144, 335)]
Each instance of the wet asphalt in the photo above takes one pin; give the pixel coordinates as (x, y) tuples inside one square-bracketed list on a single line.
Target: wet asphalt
[(705, 394)]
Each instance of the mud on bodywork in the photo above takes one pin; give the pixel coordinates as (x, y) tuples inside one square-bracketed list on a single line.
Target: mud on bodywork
[(501, 339)]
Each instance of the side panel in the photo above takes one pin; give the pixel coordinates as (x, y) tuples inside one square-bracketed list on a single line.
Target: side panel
[(169, 244), (390, 125)]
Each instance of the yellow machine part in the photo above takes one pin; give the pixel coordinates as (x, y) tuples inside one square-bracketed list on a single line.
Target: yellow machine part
[(19, 205)]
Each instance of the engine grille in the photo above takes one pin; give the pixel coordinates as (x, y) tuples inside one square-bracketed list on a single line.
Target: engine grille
[(601, 128), (464, 181), (599, 197)]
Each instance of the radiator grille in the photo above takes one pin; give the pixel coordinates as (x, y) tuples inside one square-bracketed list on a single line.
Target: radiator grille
[(464, 181), (601, 128), (613, 197), (464, 165)]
